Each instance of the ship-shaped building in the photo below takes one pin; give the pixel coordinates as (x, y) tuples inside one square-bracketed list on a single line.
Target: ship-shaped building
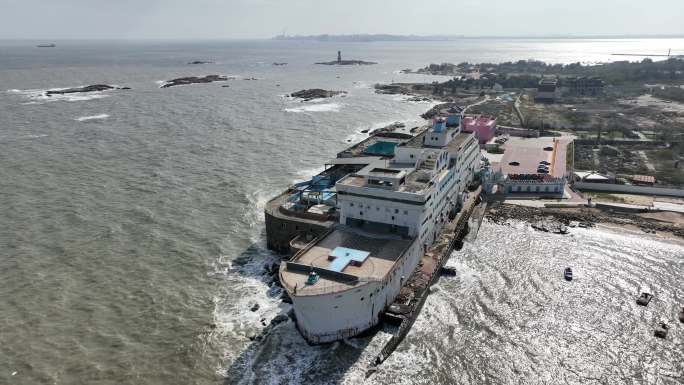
[(378, 211)]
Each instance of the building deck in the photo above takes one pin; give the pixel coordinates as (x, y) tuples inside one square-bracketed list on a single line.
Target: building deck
[(384, 249)]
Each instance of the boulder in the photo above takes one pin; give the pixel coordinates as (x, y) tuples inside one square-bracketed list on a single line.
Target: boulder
[(280, 318)]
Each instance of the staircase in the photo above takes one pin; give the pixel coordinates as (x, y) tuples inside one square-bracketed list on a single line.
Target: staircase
[(428, 163)]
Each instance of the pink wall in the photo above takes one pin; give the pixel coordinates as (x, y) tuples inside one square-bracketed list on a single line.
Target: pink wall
[(484, 127)]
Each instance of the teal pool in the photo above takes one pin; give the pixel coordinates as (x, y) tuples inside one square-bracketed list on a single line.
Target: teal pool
[(381, 148)]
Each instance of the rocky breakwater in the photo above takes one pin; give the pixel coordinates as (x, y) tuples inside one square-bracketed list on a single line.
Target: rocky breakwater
[(194, 80), (91, 88), (315, 93)]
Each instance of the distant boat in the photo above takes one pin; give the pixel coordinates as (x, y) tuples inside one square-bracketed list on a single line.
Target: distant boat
[(568, 274), (49, 45)]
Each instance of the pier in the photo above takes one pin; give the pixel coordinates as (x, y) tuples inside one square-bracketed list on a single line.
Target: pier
[(413, 294)]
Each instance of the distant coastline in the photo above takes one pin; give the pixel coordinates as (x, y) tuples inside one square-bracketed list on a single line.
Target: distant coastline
[(389, 37)]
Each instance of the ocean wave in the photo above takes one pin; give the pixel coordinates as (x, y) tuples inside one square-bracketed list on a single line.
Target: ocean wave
[(326, 107), (307, 174), (92, 117)]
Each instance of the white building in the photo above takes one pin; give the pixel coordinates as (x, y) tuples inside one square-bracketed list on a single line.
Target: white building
[(390, 212)]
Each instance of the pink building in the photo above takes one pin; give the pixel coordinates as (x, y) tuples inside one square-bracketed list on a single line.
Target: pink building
[(484, 127)]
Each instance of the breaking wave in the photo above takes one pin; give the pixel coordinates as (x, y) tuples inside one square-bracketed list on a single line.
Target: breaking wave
[(92, 117), (326, 107)]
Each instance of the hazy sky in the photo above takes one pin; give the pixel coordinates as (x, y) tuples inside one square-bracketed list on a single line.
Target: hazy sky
[(192, 19)]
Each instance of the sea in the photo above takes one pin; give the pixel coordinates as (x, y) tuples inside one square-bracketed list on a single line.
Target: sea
[(132, 243)]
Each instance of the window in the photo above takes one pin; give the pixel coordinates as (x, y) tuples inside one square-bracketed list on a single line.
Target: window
[(411, 156), (362, 298), (392, 217), (396, 211), (351, 204), (377, 208), (361, 213), (405, 212)]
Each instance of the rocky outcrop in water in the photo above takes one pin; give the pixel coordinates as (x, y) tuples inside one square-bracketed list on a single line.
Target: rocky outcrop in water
[(315, 93), (92, 88), (347, 63), (393, 89), (201, 62), (279, 64), (194, 80)]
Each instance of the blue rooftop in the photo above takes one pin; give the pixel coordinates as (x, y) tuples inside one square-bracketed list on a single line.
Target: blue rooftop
[(343, 256)]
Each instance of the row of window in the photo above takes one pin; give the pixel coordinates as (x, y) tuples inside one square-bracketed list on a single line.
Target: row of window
[(536, 189), (377, 208)]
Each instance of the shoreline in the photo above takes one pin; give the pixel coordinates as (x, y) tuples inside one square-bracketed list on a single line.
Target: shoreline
[(593, 217)]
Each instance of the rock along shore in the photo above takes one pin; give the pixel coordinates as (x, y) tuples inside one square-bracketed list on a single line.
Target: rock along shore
[(586, 217)]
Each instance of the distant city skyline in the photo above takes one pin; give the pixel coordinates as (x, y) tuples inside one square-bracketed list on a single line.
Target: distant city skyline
[(257, 19)]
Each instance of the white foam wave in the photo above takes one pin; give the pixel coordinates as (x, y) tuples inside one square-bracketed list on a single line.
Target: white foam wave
[(92, 117), (361, 84), (254, 216), (306, 174), (326, 107)]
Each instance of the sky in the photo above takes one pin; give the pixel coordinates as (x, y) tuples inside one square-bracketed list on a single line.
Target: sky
[(248, 19)]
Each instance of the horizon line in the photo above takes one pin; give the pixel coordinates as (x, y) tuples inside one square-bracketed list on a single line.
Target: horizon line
[(435, 37)]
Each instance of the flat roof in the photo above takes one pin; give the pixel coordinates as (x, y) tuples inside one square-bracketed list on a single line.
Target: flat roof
[(383, 252), (523, 156)]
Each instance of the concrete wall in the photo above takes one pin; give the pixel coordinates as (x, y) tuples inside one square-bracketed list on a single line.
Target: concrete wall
[(280, 231), (622, 188), (606, 141)]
